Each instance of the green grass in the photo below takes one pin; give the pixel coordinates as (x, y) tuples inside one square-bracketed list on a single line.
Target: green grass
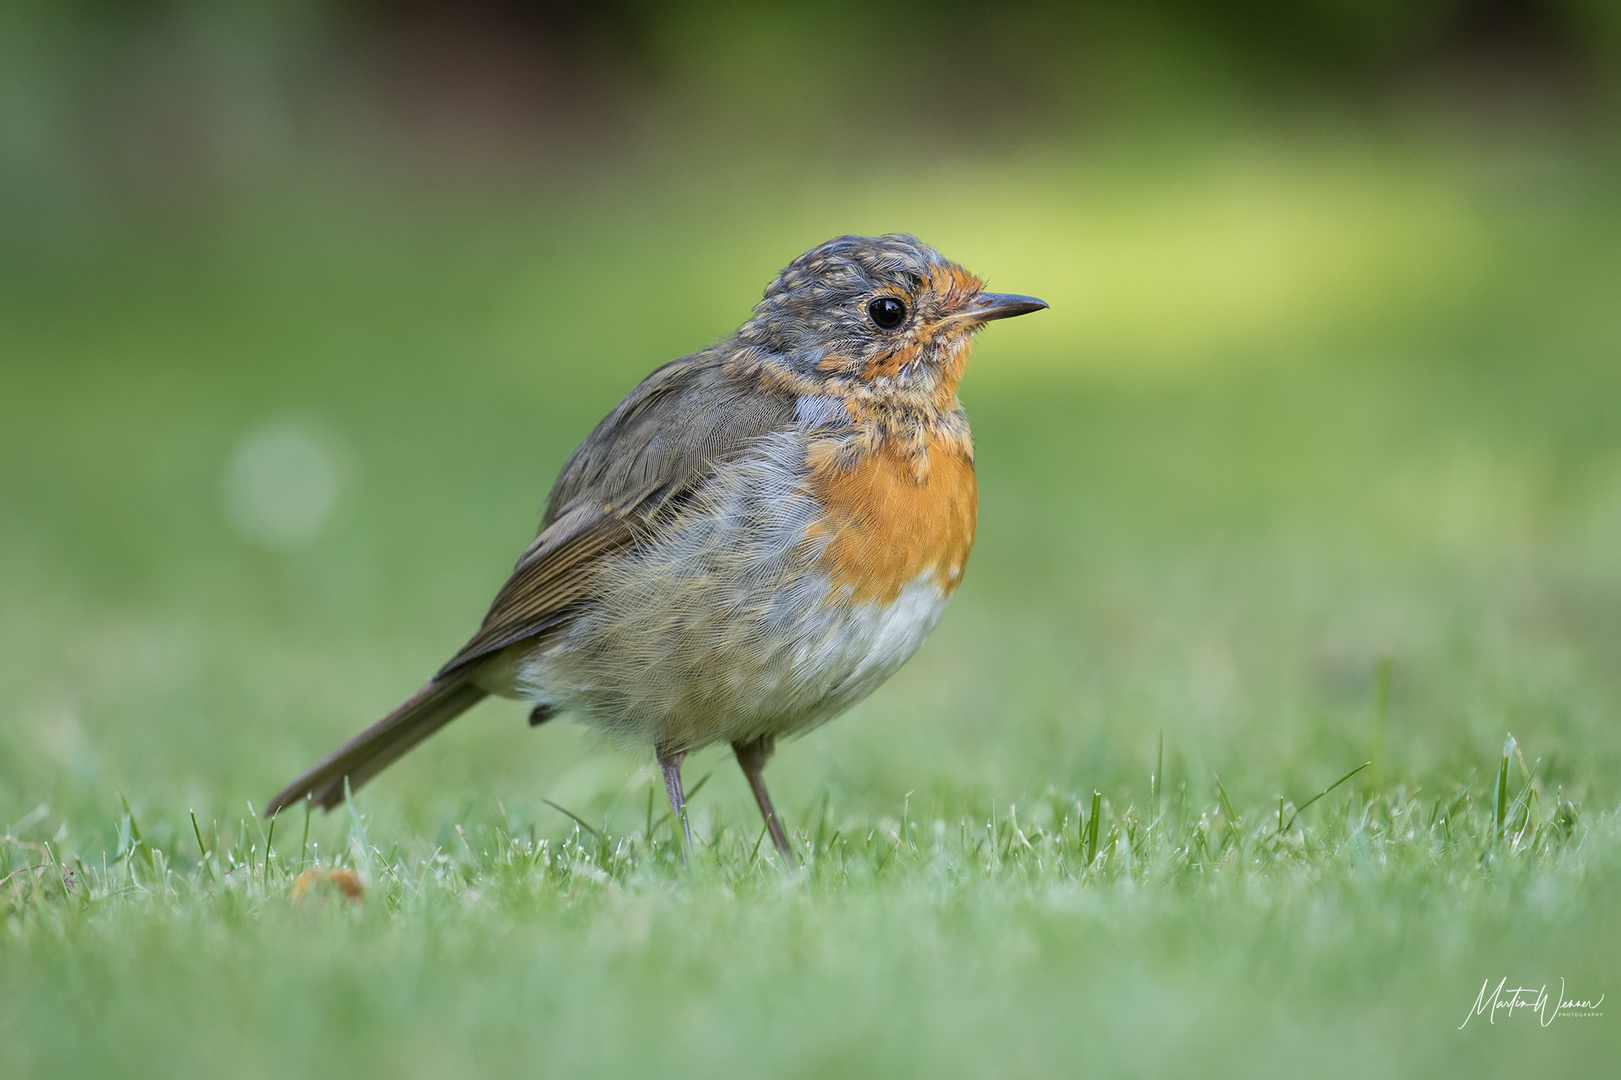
[(1021, 943), (1315, 462)]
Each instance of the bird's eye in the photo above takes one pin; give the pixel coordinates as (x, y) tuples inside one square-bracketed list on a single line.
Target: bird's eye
[(887, 312)]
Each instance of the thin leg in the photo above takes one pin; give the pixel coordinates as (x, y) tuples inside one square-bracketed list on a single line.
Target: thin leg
[(670, 764), (752, 757)]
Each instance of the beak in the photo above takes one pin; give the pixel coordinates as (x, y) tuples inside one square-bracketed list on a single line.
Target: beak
[(987, 306)]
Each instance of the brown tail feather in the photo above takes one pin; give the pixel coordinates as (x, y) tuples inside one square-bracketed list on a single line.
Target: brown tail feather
[(368, 753)]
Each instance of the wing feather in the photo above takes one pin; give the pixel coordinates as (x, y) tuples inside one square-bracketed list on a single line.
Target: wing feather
[(643, 463)]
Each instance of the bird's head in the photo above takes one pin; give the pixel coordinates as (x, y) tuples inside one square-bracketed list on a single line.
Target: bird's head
[(886, 311)]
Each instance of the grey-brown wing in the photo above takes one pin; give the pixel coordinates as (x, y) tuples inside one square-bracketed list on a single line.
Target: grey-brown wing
[(642, 463)]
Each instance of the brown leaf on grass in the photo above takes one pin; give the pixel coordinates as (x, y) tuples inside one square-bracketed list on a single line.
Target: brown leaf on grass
[(349, 884), (346, 883)]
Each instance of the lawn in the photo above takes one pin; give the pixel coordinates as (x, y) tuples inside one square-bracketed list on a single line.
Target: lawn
[(1315, 464)]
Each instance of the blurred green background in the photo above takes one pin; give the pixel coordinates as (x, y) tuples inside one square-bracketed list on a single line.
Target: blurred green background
[(303, 304)]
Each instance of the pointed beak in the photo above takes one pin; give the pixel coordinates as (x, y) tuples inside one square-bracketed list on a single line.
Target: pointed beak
[(987, 306)]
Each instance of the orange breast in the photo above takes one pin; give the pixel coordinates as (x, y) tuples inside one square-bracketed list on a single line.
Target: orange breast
[(888, 522)]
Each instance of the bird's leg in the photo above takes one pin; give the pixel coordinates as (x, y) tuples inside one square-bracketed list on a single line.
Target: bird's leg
[(752, 756), (670, 765)]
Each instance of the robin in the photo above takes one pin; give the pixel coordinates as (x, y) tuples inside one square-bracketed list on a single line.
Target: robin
[(752, 541)]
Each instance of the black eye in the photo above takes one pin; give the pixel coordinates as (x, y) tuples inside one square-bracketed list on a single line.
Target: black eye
[(887, 312)]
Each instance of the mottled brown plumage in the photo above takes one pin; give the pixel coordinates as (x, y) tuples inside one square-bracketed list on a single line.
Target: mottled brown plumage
[(756, 537)]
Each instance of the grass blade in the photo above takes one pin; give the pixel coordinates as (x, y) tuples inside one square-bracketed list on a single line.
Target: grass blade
[(198, 833), (1502, 790), (1156, 782), (1305, 805), (1091, 829), (1235, 824), (699, 786), (578, 820), (357, 832), (269, 839)]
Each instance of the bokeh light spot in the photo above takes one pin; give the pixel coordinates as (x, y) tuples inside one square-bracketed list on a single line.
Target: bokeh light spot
[(281, 485)]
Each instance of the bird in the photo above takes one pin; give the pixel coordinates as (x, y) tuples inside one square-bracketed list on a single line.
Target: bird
[(753, 540)]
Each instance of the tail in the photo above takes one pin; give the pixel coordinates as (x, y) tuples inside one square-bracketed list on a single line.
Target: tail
[(374, 749)]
